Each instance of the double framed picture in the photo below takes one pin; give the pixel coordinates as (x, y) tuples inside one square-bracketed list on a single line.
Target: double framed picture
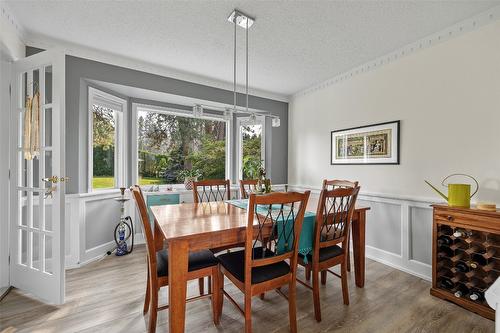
[(372, 144)]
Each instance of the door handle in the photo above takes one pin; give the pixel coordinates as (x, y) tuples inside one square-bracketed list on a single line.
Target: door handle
[(52, 179), (55, 179)]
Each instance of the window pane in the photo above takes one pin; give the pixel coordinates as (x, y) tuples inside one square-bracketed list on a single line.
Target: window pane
[(252, 150), (103, 138), (169, 144)]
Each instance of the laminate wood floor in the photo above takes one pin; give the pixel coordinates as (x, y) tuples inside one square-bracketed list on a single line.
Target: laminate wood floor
[(107, 296)]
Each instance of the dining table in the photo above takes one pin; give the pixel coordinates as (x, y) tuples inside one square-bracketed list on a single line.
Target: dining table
[(189, 227)]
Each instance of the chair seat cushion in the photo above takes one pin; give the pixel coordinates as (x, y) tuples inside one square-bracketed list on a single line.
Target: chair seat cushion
[(197, 260), (326, 253), (234, 262)]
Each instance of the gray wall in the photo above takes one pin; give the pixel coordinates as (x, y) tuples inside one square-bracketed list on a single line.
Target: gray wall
[(78, 70)]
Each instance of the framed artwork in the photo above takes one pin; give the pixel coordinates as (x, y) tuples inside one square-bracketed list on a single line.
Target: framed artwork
[(371, 144)]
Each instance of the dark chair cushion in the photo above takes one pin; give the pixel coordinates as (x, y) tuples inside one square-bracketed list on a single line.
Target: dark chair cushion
[(234, 262), (326, 253), (197, 260)]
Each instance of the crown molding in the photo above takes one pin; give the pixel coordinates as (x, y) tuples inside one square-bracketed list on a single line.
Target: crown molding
[(460, 28), (73, 49), (12, 33)]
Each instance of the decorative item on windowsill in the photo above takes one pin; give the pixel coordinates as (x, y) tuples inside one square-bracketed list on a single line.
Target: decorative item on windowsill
[(189, 176), (124, 230), (458, 194)]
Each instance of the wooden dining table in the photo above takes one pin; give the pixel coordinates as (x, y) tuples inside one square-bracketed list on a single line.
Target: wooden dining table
[(192, 227)]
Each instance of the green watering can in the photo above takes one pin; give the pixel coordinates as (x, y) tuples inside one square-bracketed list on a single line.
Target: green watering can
[(458, 194)]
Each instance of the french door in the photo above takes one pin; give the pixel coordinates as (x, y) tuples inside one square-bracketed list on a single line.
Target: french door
[(36, 182)]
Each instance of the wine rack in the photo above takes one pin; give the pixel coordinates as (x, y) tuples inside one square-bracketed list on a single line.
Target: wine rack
[(466, 256)]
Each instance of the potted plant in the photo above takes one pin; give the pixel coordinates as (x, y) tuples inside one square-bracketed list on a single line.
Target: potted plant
[(189, 177)]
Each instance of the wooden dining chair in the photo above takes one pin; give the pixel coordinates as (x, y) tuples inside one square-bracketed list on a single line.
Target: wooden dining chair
[(333, 220), (200, 264), (262, 265), (247, 186), (211, 190), (330, 185)]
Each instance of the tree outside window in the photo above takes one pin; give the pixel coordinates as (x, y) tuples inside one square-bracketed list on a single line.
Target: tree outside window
[(168, 144)]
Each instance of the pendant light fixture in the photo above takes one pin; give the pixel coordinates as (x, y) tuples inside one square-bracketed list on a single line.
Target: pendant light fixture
[(244, 21), (228, 114), (197, 111)]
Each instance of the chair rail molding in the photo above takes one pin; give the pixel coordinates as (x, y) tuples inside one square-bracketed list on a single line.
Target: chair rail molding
[(460, 28), (408, 219)]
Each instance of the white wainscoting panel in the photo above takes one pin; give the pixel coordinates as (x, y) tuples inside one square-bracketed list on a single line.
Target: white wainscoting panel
[(398, 230)]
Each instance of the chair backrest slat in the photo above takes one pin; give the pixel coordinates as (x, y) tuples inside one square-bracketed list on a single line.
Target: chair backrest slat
[(338, 183), (273, 229), (211, 190), (146, 225), (334, 216), (246, 186)]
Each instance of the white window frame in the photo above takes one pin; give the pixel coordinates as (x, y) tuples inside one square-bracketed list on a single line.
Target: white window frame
[(136, 107), (119, 105), (242, 121)]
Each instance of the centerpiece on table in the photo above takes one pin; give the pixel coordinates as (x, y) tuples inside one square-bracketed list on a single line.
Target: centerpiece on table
[(263, 184), (189, 177)]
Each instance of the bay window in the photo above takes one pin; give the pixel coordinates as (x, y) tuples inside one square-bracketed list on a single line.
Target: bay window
[(170, 141)]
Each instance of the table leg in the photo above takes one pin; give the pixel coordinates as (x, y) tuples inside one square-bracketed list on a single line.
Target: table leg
[(358, 248), (177, 284)]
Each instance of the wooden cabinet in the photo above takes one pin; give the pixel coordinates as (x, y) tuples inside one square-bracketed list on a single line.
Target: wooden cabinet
[(465, 256)]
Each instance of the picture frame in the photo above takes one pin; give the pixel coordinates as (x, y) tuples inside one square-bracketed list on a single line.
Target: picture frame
[(368, 144)]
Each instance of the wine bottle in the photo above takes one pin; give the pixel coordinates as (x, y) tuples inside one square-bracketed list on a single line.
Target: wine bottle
[(446, 283), (444, 262), (476, 295), (461, 290), (445, 230), (444, 240), (479, 259), (487, 254), (462, 233), (444, 251), (462, 267)]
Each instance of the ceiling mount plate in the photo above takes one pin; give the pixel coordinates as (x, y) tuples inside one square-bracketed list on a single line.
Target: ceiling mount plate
[(241, 19)]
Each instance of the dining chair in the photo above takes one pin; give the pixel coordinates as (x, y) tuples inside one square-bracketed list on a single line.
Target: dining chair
[(200, 264), (246, 186), (274, 222), (330, 185), (211, 190), (333, 220)]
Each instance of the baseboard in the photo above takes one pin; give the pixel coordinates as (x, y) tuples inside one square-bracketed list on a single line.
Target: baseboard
[(4, 292), (390, 259)]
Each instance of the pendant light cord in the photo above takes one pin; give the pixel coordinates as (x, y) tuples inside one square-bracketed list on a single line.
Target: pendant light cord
[(246, 76), (234, 69)]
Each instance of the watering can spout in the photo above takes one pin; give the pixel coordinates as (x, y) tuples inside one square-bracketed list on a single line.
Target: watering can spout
[(438, 191)]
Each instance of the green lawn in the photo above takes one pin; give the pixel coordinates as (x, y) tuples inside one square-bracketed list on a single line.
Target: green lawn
[(151, 181), (103, 182), (108, 182)]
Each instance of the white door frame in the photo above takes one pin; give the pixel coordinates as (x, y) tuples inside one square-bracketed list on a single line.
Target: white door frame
[(37, 265)]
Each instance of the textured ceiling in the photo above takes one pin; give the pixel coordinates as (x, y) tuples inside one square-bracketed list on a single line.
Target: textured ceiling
[(293, 45)]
